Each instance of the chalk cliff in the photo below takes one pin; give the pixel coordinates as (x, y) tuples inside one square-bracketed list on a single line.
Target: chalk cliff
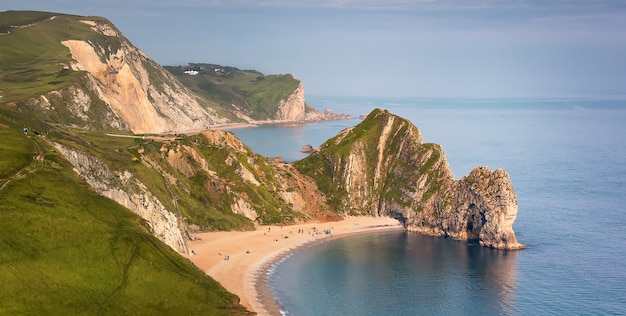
[(382, 167), (293, 108), (210, 181), (136, 90), (124, 188), (99, 81)]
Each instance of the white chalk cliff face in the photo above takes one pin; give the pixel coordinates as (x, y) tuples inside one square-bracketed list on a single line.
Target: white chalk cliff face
[(382, 167), (138, 92), (293, 108), (126, 190), (120, 89)]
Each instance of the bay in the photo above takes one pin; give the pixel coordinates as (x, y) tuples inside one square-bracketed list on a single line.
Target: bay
[(567, 161)]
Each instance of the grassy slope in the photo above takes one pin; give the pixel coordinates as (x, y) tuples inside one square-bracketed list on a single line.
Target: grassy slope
[(64, 248), (257, 95), (322, 165), (67, 250), (31, 57), (325, 166)]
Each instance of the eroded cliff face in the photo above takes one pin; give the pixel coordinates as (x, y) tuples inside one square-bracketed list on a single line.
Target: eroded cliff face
[(122, 89), (259, 188), (293, 107), (206, 182), (124, 188), (382, 167)]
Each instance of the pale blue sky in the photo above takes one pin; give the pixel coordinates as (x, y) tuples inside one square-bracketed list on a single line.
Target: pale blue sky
[(487, 48)]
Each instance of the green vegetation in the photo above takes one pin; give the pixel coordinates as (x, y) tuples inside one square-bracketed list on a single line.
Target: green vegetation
[(33, 60), (406, 160), (256, 95), (327, 165), (264, 198), (67, 251)]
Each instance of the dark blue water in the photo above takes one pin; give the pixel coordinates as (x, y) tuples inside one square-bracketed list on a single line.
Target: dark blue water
[(567, 161)]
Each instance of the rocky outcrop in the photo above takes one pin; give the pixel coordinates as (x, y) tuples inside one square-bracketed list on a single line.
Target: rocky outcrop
[(101, 82), (313, 115), (382, 167), (307, 149), (209, 181), (293, 107), (128, 191), (267, 183), (135, 89), (490, 200)]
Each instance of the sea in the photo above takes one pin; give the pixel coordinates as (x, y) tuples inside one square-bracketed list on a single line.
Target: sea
[(567, 161)]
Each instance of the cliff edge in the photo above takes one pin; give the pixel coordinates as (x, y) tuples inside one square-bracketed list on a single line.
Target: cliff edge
[(382, 167)]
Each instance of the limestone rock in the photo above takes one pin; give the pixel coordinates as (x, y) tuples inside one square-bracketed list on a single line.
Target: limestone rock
[(293, 107), (123, 188), (125, 80), (307, 149), (382, 167)]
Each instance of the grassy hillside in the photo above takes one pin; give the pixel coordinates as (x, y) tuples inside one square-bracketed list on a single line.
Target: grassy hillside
[(330, 165), (253, 93), (67, 250), (64, 249), (32, 57)]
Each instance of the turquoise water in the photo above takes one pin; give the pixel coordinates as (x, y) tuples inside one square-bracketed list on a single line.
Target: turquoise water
[(567, 161)]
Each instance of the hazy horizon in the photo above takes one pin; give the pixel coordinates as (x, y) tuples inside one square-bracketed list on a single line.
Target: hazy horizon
[(446, 48)]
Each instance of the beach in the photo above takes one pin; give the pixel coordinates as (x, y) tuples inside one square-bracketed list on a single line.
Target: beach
[(238, 259)]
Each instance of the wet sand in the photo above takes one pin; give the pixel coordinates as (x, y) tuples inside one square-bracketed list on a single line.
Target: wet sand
[(239, 260)]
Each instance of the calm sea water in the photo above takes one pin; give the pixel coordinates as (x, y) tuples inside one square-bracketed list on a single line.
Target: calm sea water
[(567, 161)]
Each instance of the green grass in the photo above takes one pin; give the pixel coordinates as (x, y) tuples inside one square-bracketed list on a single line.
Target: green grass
[(257, 95), (202, 199), (326, 165), (32, 58), (18, 151), (68, 251)]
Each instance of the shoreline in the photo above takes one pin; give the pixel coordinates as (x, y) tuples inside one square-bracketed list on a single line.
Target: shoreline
[(171, 135), (268, 303), (240, 261)]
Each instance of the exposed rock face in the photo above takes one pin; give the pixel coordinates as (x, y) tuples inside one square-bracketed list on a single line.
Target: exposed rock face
[(137, 91), (488, 196), (106, 84), (382, 167), (126, 190), (293, 108), (307, 149), (297, 194), (206, 182)]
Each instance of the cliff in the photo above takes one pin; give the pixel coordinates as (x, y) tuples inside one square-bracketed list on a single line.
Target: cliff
[(96, 80), (249, 95), (382, 167), (66, 250), (206, 182), (136, 90), (293, 108), (124, 188)]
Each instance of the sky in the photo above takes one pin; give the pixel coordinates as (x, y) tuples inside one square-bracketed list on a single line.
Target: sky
[(406, 48)]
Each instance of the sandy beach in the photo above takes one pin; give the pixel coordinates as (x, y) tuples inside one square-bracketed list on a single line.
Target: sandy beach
[(237, 259)]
